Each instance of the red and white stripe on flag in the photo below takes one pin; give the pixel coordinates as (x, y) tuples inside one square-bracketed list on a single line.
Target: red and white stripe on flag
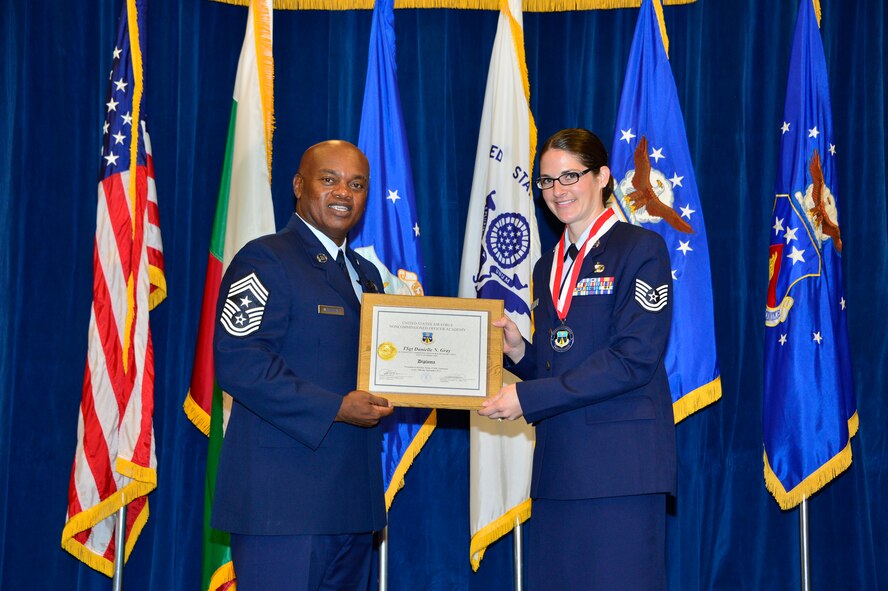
[(152, 232), (115, 463)]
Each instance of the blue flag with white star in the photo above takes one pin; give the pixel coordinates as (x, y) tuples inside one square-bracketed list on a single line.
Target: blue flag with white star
[(388, 234), (656, 189), (809, 411)]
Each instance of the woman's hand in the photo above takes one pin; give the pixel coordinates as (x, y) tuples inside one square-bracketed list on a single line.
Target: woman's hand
[(504, 405), (513, 342)]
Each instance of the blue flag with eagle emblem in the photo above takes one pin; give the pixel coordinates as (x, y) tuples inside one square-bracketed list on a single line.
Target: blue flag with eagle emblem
[(809, 411), (656, 189), (388, 234)]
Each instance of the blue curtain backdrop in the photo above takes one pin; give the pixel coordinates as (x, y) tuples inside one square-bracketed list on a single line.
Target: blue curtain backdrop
[(729, 60)]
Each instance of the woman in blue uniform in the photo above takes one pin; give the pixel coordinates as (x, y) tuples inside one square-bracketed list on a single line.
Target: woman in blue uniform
[(594, 386)]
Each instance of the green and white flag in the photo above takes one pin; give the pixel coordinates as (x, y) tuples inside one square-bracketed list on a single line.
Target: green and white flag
[(244, 212)]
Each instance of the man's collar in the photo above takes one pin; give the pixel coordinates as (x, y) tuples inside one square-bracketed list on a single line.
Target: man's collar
[(328, 243)]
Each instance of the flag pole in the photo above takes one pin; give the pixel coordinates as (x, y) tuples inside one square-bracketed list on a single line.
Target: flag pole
[(119, 546), (383, 559), (518, 549), (804, 548)]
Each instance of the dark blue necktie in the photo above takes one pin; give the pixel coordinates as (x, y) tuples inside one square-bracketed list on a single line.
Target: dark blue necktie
[(572, 252), (340, 260)]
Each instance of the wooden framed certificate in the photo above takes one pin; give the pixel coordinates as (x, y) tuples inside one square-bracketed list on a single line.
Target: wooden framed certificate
[(430, 352)]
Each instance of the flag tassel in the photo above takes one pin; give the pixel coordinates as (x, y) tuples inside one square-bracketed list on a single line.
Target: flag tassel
[(416, 445), (529, 5), (815, 481), (696, 399), (497, 529)]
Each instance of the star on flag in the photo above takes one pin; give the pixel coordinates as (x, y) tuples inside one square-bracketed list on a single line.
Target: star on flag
[(796, 256)]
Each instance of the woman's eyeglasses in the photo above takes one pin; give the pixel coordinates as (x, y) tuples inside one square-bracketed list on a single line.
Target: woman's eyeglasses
[(568, 178)]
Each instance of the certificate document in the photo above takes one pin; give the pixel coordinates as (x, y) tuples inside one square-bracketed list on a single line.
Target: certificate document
[(432, 352)]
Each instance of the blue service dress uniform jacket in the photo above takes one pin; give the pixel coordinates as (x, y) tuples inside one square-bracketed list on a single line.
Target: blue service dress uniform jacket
[(602, 409), (286, 467)]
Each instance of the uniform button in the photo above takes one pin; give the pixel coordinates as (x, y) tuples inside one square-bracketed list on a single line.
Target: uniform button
[(548, 365)]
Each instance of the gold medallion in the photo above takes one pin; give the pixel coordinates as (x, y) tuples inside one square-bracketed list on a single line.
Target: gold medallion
[(386, 351)]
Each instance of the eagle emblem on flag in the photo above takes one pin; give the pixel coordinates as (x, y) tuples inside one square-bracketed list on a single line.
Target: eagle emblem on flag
[(649, 193)]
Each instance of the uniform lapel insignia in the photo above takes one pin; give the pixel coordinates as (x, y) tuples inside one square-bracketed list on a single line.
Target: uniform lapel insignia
[(321, 258)]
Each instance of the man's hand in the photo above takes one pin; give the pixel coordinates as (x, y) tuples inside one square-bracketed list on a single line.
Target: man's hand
[(513, 342), (363, 409), (504, 405)]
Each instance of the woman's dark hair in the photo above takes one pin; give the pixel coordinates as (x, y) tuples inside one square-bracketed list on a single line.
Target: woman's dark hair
[(587, 148)]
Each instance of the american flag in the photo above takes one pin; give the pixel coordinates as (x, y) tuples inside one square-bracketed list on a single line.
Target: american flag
[(115, 464)]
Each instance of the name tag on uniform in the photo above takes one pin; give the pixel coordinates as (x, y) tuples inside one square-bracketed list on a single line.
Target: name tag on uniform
[(595, 286), (331, 310)]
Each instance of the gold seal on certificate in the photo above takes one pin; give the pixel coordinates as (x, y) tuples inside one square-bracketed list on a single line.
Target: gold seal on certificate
[(430, 352), (386, 351)]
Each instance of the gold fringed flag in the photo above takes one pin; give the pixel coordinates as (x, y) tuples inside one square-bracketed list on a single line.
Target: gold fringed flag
[(657, 189), (809, 410), (244, 212), (388, 233), (115, 463), (500, 249)]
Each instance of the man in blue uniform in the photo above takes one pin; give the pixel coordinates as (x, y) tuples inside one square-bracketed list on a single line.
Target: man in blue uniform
[(300, 479)]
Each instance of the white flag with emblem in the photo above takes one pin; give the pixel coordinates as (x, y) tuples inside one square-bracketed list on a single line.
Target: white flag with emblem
[(500, 248)]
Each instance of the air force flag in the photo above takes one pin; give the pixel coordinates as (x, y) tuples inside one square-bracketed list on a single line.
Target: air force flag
[(657, 189), (809, 411), (388, 234)]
